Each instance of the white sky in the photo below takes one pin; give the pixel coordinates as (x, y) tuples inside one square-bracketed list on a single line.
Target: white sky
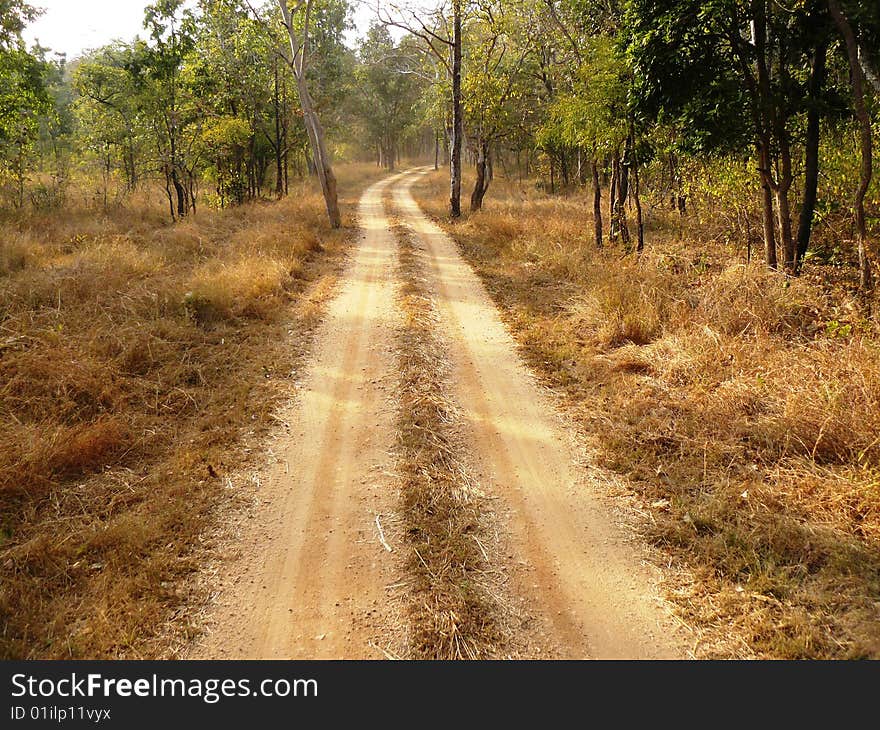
[(73, 26)]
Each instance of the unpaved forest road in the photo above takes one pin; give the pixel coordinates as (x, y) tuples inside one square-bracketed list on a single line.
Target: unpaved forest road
[(315, 581)]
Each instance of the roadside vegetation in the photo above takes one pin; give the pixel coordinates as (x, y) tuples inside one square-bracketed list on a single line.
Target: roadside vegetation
[(138, 360), (163, 258), (743, 410)]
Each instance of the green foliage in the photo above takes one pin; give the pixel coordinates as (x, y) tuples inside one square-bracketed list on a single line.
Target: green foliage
[(224, 141), (591, 114), (499, 97), (24, 99)]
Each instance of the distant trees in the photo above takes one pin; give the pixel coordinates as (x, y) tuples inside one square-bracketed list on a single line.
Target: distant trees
[(157, 71), (642, 101), (386, 93), (442, 31), (222, 93), (496, 94), (108, 112)]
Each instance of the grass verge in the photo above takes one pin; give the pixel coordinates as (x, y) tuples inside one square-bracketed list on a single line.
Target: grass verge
[(744, 411), (137, 358), (453, 613)]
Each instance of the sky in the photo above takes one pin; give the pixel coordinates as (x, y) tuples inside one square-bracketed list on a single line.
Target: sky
[(73, 26)]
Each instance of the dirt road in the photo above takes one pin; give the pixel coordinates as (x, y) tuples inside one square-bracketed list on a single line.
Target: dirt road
[(313, 582), (584, 577)]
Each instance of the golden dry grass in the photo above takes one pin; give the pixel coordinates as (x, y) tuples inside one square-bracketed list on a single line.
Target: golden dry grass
[(135, 356), (453, 614), (744, 410)]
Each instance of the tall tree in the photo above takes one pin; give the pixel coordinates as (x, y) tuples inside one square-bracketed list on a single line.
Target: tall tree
[(441, 31), (157, 68), (299, 63), (24, 99)]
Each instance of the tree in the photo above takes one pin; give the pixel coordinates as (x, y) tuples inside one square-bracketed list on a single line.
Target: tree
[(705, 64), (298, 61), (457, 115), (445, 43), (232, 84), (592, 115), (107, 110), (24, 99), (865, 140), (157, 70), (495, 89)]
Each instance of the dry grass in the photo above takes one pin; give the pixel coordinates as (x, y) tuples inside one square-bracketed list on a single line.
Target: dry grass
[(135, 356), (745, 411), (453, 614)]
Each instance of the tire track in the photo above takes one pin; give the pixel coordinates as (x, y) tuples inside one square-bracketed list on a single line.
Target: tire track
[(312, 583), (584, 579)]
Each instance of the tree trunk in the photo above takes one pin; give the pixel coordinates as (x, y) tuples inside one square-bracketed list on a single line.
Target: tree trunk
[(767, 209), (763, 122), (457, 122), (299, 54), (612, 196), (484, 176), (279, 162), (869, 69), (179, 192), (783, 214), (865, 143), (618, 220), (636, 193), (168, 192), (319, 151), (811, 154), (597, 204)]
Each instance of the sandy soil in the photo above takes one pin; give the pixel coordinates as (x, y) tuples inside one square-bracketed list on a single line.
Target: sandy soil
[(313, 579)]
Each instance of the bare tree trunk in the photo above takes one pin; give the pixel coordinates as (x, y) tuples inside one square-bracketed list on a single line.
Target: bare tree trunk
[(179, 192), (457, 122), (299, 54), (636, 196), (279, 162), (484, 176), (612, 196), (865, 143), (869, 70), (597, 204), (759, 34), (619, 224), (811, 154), (783, 205), (767, 209)]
